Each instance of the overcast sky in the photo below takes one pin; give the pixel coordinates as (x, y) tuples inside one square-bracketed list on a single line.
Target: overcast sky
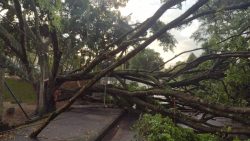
[(142, 9)]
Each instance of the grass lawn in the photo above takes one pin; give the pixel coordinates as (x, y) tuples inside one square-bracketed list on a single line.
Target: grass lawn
[(23, 91)]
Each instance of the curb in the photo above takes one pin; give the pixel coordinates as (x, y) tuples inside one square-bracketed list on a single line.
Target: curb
[(99, 136)]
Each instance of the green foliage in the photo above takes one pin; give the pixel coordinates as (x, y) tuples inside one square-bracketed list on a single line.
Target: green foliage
[(207, 137), (147, 59), (158, 128), (219, 91), (238, 74), (191, 58), (237, 139), (167, 41), (237, 80), (88, 27), (133, 86), (233, 89), (110, 3), (54, 8), (226, 30)]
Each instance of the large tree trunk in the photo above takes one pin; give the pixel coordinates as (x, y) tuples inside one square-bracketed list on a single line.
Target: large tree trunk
[(45, 97), (49, 94), (41, 98), (46, 88)]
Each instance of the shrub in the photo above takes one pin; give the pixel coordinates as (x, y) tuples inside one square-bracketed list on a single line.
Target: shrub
[(158, 128)]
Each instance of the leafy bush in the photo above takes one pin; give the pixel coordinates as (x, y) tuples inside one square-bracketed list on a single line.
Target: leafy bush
[(158, 128)]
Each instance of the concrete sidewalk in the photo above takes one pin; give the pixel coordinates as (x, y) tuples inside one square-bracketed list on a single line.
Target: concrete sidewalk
[(78, 124)]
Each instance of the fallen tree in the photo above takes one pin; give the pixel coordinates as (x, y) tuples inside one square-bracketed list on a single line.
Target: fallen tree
[(185, 89), (180, 104)]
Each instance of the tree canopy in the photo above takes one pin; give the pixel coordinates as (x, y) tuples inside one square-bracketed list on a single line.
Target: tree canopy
[(147, 59)]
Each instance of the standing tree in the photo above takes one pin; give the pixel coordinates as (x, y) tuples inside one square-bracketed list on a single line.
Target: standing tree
[(147, 59), (44, 39)]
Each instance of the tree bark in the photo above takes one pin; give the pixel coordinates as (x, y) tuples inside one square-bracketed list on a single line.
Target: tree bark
[(42, 87), (1, 91), (50, 88)]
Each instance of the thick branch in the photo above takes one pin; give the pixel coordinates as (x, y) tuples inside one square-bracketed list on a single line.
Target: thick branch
[(229, 8), (198, 61), (197, 78)]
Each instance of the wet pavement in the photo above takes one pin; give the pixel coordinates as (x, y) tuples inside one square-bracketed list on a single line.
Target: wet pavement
[(78, 124)]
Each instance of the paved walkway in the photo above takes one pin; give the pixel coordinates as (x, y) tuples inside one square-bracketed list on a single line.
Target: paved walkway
[(78, 124)]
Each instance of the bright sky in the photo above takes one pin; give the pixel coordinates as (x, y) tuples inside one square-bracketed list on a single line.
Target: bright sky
[(143, 9)]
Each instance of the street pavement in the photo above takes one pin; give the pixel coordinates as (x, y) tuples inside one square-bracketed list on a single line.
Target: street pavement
[(78, 124)]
